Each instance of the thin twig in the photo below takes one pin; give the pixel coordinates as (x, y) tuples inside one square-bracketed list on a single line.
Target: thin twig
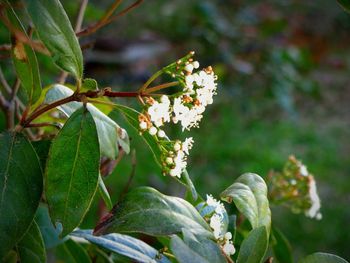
[(15, 89), (4, 83), (5, 47), (162, 86), (107, 18), (44, 124)]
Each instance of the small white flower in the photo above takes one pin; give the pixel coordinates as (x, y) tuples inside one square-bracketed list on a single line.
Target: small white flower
[(215, 224), (177, 146), (143, 125), (159, 112), (189, 68), (195, 64), (176, 172), (153, 130), (187, 145), (228, 235), (169, 160), (303, 170), (228, 248), (314, 210), (161, 134)]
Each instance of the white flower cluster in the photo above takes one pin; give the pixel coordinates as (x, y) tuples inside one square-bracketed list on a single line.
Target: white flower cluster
[(185, 107), (216, 223), (314, 210)]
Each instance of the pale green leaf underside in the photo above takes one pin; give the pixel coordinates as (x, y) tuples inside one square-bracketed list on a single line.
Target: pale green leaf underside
[(110, 134), (249, 193)]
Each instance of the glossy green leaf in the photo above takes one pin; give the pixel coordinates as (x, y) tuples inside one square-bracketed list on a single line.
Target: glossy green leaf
[(72, 252), (254, 246), (31, 248), (49, 233), (56, 32), (249, 193), (104, 193), (145, 210), (201, 247), (345, 4), (72, 170), (110, 134), (42, 150), (322, 258), (21, 185), (124, 245), (24, 60), (281, 248), (183, 253)]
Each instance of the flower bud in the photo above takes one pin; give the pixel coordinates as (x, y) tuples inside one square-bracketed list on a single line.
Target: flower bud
[(153, 130)]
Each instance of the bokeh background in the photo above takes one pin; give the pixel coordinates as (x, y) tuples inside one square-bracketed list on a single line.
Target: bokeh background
[(284, 89)]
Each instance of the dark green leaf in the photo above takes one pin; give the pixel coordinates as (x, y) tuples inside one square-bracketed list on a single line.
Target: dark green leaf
[(72, 170), (20, 188), (145, 210), (104, 193), (72, 252), (56, 32), (125, 245), (249, 193), (42, 150), (110, 135), (345, 4), (31, 247), (11, 257), (254, 246), (281, 247), (322, 258), (24, 60), (183, 253), (49, 233)]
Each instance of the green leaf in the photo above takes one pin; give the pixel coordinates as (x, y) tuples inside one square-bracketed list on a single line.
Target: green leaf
[(49, 233), (72, 171), (345, 4), (145, 210), (24, 60), (322, 258), (201, 246), (183, 253), (104, 193), (56, 32), (72, 252), (254, 246), (89, 84), (11, 257), (281, 247), (124, 245), (249, 193), (21, 185), (110, 134), (31, 247), (42, 150)]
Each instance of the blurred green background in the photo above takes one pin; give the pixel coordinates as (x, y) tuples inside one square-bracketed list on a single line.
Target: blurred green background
[(283, 70)]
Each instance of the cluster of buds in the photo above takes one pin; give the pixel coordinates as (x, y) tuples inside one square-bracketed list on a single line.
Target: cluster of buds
[(185, 107), (216, 220), (296, 188)]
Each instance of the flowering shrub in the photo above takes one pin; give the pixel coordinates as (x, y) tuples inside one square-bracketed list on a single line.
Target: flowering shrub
[(47, 186)]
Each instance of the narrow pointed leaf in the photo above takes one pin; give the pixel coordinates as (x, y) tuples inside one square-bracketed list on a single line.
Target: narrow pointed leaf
[(322, 258), (24, 60), (104, 193), (72, 171), (21, 185), (281, 248), (31, 248), (249, 193), (145, 210), (56, 32), (110, 134), (345, 4), (124, 245), (254, 246)]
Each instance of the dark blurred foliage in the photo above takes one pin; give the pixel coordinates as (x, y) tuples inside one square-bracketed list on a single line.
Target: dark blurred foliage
[(283, 72)]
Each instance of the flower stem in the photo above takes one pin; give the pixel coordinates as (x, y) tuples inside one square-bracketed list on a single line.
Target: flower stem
[(162, 86)]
